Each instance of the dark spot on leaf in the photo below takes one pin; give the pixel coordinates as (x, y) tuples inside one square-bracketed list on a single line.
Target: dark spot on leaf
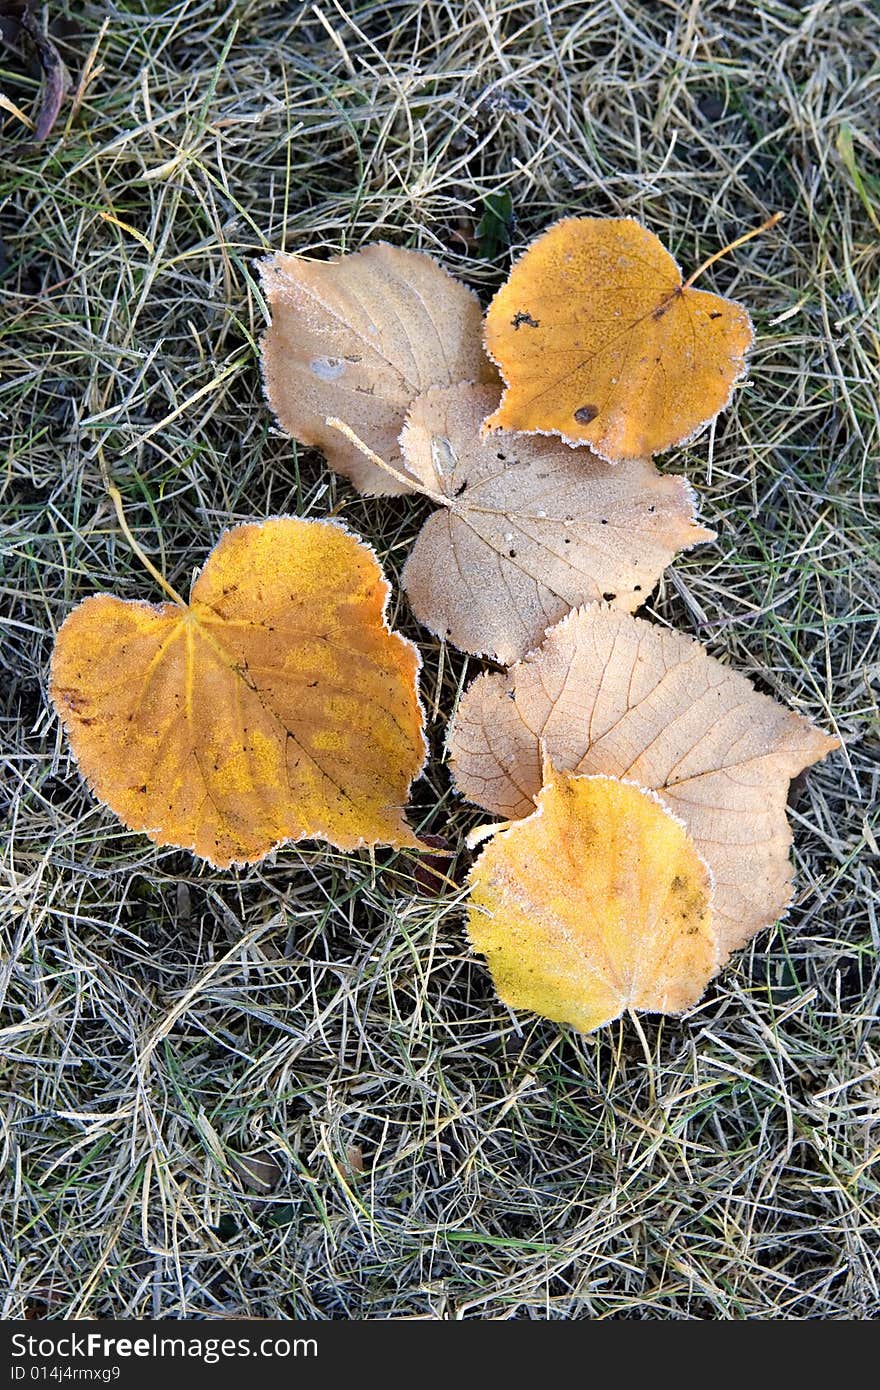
[(609, 597), (585, 413), (522, 317), (716, 315), (512, 554)]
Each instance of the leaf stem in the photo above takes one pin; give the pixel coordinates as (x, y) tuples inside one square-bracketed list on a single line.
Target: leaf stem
[(636, 1023), (412, 483), (116, 498), (740, 241)]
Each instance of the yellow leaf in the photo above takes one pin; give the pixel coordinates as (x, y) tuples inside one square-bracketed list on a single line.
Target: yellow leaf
[(610, 694), (360, 337), (596, 903), (599, 341), (529, 528), (277, 705)]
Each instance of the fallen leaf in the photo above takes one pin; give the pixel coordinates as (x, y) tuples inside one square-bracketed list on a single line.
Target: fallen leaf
[(529, 528), (600, 342), (354, 1156), (433, 873), (56, 79), (610, 694), (258, 1170), (360, 337), (594, 904), (276, 706)]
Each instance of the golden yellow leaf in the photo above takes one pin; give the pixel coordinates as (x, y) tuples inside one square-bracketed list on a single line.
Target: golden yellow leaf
[(599, 341), (610, 694), (360, 337), (276, 706), (594, 904), (529, 527)]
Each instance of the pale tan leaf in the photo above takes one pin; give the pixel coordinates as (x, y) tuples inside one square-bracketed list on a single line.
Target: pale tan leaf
[(359, 338), (610, 694), (531, 529)]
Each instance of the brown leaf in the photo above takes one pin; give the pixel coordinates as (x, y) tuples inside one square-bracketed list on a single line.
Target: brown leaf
[(433, 872), (354, 1157), (610, 694), (531, 527), (599, 341), (277, 705), (258, 1170), (360, 337), (56, 79)]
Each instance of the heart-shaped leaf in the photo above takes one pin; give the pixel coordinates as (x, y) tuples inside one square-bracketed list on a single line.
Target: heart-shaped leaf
[(276, 705), (594, 904), (599, 341), (610, 694), (529, 527), (360, 337)]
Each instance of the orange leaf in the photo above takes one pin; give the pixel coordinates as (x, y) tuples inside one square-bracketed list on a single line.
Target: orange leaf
[(599, 341), (610, 694), (276, 706), (530, 528), (596, 903), (360, 337)]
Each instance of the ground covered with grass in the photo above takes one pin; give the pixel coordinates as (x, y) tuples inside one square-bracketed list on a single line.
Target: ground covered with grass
[(290, 1091)]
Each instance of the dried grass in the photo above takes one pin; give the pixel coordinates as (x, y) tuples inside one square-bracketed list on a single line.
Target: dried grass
[(290, 1092)]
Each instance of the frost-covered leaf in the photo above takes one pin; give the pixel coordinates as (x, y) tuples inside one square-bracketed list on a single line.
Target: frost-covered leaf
[(594, 904), (610, 694), (276, 705), (359, 338), (599, 341), (530, 528)]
